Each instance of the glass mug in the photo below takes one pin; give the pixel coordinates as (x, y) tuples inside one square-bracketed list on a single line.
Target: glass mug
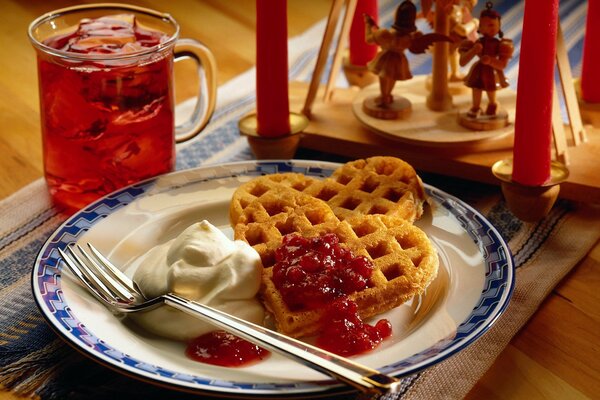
[(107, 99)]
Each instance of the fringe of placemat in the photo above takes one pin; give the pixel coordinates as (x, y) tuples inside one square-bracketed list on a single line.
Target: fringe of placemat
[(31, 355), (31, 372)]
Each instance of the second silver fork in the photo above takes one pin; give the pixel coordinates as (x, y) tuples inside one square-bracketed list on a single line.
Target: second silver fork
[(116, 291)]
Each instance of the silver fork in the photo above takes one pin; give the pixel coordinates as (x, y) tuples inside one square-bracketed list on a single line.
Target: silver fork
[(116, 291)]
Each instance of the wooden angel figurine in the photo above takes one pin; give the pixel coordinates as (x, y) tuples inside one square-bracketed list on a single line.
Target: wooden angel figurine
[(487, 74), (391, 64), (462, 27)]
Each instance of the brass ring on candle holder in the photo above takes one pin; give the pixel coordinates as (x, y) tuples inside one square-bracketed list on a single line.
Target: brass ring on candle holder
[(273, 147), (530, 203)]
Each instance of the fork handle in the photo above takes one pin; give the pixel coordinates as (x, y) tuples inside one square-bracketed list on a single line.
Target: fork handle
[(343, 369)]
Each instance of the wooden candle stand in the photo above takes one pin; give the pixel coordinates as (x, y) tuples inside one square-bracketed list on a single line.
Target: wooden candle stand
[(337, 126), (435, 142), (333, 128)]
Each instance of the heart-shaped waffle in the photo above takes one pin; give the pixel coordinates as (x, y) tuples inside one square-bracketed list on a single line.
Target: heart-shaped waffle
[(404, 260)]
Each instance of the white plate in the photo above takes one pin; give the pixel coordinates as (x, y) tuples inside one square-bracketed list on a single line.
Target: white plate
[(473, 287)]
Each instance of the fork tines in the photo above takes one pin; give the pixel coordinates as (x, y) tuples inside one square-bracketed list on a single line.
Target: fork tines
[(102, 278)]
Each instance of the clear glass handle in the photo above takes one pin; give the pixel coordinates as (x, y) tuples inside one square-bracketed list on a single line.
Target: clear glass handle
[(207, 88)]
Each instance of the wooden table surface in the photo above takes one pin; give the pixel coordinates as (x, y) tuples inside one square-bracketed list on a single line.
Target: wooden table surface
[(550, 358)]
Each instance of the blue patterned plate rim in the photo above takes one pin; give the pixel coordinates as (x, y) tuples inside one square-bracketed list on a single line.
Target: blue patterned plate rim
[(46, 276)]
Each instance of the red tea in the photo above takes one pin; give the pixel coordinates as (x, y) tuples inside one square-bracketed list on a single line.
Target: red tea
[(106, 122)]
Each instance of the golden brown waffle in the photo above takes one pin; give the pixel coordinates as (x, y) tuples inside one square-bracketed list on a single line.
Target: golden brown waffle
[(405, 261), (375, 186), (276, 213), (252, 190)]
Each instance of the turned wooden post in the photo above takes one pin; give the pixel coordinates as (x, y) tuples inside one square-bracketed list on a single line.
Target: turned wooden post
[(439, 98)]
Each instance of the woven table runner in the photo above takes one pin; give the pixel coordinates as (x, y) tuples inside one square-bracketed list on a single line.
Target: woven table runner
[(35, 362)]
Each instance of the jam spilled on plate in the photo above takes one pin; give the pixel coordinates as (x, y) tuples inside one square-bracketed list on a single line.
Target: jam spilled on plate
[(224, 349), (312, 273)]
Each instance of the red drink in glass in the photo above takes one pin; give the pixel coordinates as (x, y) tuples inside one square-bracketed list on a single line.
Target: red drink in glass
[(105, 126), (106, 97)]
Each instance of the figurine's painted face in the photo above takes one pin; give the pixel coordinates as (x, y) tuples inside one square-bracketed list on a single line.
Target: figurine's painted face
[(489, 26)]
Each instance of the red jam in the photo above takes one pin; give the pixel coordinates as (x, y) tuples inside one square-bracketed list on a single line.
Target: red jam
[(224, 349), (344, 333), (312, 272)]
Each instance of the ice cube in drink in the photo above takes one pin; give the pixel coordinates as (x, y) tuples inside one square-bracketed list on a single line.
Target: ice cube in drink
[(106, 122)]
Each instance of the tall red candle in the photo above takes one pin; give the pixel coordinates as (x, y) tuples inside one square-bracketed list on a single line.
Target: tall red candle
[(590, 78), (272, 102), (361, 52), (533, 121)]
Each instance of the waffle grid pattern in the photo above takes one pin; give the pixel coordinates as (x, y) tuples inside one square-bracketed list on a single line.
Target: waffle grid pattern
[(380, 229)]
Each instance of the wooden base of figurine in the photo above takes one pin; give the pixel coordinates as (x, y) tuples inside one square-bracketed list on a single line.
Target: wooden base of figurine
[(484, 122), (400, 108), (282, 147), (427, 127), (455, 86), (357, 75)]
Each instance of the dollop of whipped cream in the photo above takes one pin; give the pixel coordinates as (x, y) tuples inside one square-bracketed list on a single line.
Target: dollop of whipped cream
[(204, 265)]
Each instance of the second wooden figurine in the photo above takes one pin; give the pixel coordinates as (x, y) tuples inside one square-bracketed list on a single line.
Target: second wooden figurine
[(390, 64), (487, 73)]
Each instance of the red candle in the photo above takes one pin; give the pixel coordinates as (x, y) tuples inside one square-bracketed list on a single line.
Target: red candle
[(590, 79), (533, 121), (272, 102), (361, 52)]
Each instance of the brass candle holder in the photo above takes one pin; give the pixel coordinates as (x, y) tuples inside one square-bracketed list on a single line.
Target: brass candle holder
[(273, 147), (530, 203)]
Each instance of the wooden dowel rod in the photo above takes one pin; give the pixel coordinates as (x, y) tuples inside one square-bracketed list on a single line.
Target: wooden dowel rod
[(339, 51), (558, 131), (566, 80), (334, 15)]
